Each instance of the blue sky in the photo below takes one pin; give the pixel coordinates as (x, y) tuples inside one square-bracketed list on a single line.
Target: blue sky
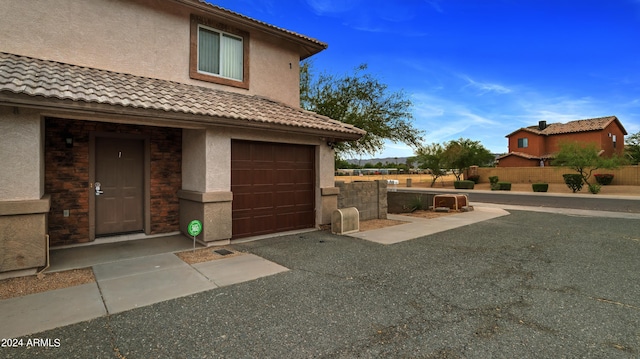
[(478, 69)]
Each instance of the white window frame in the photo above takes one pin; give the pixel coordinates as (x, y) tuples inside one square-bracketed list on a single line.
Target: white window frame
[(524, 141), (221, 52)]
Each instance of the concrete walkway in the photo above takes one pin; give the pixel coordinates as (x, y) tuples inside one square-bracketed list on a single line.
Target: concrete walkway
[(124, 284), (420, 227)]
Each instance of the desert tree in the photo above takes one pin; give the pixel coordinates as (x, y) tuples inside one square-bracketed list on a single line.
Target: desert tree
[(584, 158), (359, 99)]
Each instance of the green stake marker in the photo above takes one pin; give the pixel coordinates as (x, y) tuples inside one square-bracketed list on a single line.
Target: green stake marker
[(194, 228)]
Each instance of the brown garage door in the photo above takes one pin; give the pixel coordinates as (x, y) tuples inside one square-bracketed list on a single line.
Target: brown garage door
[(273, 187)]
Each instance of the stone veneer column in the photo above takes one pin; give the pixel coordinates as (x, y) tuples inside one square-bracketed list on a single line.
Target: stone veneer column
[(206, 184), (23, 205)]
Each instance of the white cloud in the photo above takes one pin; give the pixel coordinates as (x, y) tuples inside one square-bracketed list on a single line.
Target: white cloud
[(435, 4), (447, 119), (485, 87), (322, 7), (445, 113)]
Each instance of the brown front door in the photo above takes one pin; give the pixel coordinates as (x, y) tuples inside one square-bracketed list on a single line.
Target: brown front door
[(120, 173), (273, 187)]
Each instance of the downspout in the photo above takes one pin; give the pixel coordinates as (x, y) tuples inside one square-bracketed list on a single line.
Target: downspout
[(48, 264)]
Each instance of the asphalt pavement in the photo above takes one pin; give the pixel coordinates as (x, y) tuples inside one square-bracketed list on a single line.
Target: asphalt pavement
[(525, 285)]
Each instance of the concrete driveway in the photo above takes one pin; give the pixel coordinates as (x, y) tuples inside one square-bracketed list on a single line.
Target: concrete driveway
[(525, 285)]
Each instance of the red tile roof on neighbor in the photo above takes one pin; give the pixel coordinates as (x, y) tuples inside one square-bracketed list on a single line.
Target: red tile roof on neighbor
[(64, 86), (592, 124), (523, 155), (532, 157)]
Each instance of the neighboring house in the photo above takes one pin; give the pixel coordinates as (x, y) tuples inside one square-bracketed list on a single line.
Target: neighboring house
[(138, 116), (536, 145)]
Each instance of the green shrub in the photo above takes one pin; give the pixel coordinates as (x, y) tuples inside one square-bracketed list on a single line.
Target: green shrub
[(494, 182), (463, 184), (604, 178), (594, 188), (504, 186), (416, 204), (540, 187), (573, 181), (474, 178)]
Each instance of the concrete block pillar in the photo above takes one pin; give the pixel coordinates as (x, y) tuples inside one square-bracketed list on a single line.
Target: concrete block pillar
[(382, 199), (213, 209), (329, 203), (23, 205), (206, 184)]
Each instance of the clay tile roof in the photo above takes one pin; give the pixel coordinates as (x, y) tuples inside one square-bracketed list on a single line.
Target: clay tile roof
[(243, 18), (521, 154), (53, 80), (591, 124)]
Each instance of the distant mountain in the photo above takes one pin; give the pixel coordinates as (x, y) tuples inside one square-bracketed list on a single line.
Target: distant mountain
[(398, 160)]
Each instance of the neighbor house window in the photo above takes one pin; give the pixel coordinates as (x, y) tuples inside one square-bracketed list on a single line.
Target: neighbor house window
[(523, 142), (219, 53)]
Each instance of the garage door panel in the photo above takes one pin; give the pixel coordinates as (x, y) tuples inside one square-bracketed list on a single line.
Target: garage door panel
[(304, 197), (286, 176), (273, 187), (262, 153), (243, 177), (263, 176), (303, 176), (242, 201), (285, 199), (287, 221)]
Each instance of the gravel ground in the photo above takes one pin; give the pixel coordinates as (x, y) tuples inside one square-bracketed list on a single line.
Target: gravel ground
[(16, 287), (527, 285), (207, 254)]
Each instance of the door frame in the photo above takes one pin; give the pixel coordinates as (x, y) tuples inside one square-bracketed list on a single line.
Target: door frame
[(146, 204)]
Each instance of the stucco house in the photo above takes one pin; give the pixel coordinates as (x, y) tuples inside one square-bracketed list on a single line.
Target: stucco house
[(138, 116), (535, 145)]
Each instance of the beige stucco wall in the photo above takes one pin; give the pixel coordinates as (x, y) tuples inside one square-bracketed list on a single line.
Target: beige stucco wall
[(206, 160), (141, 37), (21, 154)]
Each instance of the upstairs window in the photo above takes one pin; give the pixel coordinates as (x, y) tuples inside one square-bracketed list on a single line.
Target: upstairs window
[(523, 142), (219, 53)]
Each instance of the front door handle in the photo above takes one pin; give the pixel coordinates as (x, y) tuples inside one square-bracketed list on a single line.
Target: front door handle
[(98, 191)]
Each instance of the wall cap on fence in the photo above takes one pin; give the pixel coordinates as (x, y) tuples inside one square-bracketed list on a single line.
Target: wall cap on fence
[(330, 191)]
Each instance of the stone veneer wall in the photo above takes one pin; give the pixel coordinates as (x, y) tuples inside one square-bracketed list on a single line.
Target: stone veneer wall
[(370, 198), (67, 176)]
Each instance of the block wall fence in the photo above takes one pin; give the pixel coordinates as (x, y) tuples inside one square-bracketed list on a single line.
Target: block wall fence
[(625, 176), (370, 198)]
